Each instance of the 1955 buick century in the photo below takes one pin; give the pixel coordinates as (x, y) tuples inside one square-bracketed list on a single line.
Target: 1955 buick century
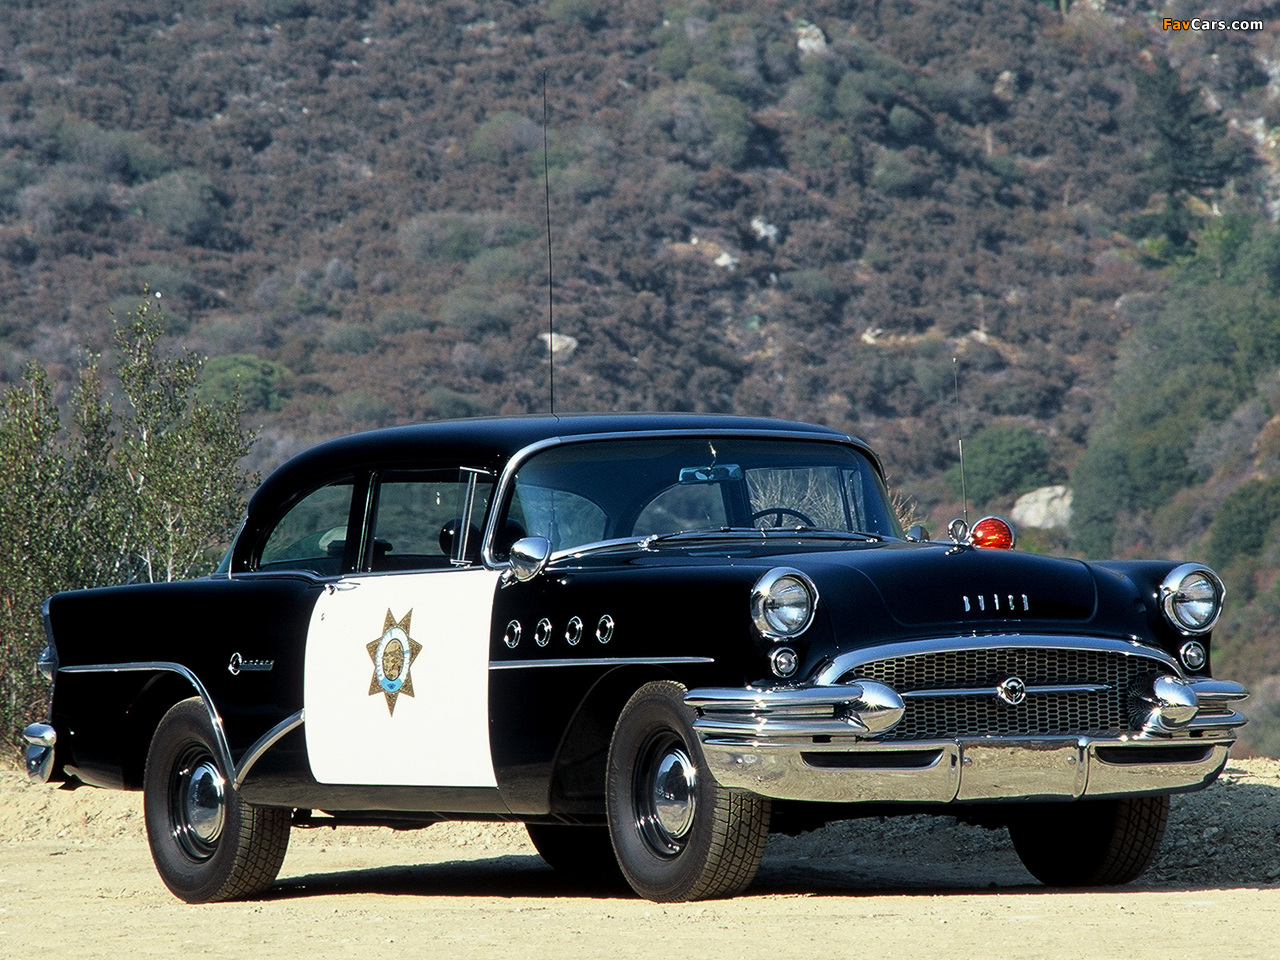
[(651, 639)]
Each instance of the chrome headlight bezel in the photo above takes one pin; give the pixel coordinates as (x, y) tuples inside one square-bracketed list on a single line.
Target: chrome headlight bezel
[(783, 589), (1191, 598)]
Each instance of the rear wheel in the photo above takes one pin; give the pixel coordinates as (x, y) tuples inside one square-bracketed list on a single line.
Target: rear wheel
[(207, 843), (677, 834), (1090, 842)]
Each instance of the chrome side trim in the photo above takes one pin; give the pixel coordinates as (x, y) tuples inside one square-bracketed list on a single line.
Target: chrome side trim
[(265, 743), (847, 662), (594, 662), (224, 752)]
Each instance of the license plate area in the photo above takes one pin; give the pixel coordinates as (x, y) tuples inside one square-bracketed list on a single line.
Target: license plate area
[(1022, 769)]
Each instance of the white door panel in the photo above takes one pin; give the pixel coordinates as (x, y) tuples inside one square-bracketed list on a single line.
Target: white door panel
[(396, 682)]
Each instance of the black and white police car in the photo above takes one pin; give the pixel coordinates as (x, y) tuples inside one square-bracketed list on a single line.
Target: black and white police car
[(650, 638)]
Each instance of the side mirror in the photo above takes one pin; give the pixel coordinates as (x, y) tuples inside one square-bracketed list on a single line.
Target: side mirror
[(529, 556), (918, 533)]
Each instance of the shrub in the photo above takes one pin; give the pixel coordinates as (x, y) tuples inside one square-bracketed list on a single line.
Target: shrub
[(709, 127), (895, 174), (348, 338), (251, 380), (504, 135), (497, 265), (477, 309), (182, 203), (400, 320), (584, 12), (906, 124)]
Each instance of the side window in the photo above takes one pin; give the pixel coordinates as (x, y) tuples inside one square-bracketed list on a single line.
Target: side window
[(564, 518), (312, 536), (698, 506), (429, 519)]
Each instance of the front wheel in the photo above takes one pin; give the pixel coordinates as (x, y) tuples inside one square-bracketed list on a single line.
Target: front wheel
[(207, 843), (1090, 842), (677, 834)]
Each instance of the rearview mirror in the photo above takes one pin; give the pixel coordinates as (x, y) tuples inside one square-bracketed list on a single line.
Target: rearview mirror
[(714, 473)]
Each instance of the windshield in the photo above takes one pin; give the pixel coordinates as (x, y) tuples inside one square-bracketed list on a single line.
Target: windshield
[(584, 493)]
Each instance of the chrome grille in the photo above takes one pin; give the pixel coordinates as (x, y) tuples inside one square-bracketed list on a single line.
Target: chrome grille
[(981, 713)]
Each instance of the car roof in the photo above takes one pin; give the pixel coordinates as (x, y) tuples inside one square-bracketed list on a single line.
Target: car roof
[(491, 442)]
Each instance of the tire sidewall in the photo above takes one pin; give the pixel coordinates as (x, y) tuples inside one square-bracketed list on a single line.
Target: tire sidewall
[(186, 725), (656, 709)]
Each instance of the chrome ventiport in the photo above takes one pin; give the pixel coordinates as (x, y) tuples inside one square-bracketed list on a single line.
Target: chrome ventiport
[(573, 632), (542, 632), (604, 629), (511, 636)]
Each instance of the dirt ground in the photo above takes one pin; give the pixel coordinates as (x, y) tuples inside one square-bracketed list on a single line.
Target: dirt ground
[(76, 881)]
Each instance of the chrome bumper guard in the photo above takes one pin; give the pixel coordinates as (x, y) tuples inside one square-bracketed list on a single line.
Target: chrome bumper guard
[(822, 743), (41, 739)]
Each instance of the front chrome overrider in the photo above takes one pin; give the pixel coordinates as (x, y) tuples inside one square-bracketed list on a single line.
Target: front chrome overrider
[(41, 739), (833, 740)]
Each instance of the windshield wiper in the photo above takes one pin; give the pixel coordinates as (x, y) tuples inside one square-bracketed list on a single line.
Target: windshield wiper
[(756, 533)]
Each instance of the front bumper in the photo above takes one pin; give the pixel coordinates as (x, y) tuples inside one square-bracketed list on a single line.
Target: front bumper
[(827, 743), (41, 739)]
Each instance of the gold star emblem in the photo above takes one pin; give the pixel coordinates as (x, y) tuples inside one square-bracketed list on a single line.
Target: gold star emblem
[(393, 654)]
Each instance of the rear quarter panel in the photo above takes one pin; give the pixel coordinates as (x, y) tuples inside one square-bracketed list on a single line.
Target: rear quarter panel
[(107, 699)]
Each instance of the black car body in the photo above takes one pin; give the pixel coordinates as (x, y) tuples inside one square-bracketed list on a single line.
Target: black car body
[(648, 637)]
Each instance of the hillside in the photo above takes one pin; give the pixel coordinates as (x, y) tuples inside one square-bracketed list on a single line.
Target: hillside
[(804, 210)]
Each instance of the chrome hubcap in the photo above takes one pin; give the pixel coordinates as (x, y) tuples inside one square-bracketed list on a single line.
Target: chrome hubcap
[(666, 795), (198, 804)]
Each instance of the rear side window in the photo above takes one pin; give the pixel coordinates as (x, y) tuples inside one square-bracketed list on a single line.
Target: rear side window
[(430, 519), (312, 536)]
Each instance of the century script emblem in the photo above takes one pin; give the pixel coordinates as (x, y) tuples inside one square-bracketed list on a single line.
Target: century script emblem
[(393, 654)]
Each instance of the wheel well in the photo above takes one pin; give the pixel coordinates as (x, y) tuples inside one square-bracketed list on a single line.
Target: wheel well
[(157, 696), (578, 777)]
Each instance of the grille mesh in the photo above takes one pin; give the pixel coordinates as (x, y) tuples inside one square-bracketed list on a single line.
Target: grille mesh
[(1100, 713)]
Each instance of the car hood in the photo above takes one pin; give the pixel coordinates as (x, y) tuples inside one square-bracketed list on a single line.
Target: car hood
[(930, 586), (926, 586)]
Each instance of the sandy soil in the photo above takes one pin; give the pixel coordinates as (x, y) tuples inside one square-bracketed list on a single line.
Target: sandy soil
[(76, 881)]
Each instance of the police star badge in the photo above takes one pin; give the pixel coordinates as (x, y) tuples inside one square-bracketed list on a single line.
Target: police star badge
[(393, 654)]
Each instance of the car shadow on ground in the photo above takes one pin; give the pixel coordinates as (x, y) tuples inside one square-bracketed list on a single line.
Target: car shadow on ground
[(527, 877)]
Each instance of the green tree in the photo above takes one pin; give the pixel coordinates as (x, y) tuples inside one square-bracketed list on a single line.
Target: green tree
[(142, 483), (1191, 154), (1001, 460)]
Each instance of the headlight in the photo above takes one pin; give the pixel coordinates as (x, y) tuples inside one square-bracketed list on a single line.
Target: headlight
[(783, 602), (1191, 597)]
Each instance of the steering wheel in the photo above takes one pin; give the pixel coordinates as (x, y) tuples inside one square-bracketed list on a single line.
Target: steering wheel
[(779, 512)]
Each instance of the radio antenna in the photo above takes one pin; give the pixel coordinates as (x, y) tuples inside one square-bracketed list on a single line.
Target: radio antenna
[(964, 493), (551, 305)]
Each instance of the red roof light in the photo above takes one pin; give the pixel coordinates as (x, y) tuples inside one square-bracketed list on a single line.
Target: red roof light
[(993, 534)]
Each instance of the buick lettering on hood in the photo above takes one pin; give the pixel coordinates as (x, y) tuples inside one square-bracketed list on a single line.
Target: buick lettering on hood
[(650, 638)]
